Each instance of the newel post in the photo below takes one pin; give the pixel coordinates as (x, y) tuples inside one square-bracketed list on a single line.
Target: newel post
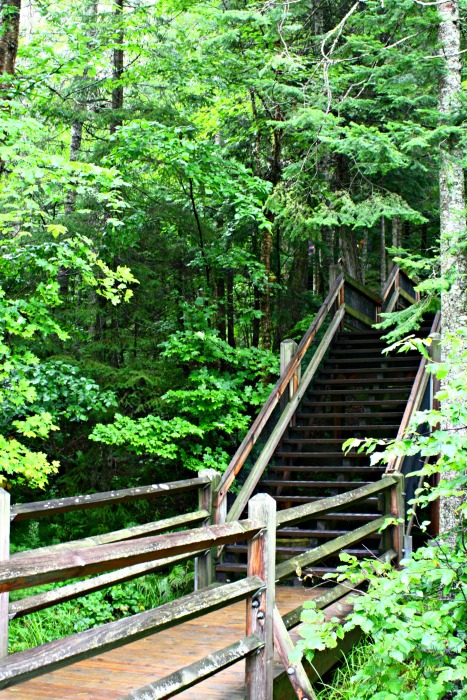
[(288, 350), (394, 506), (204, 565), (259, 668), (4, 556)]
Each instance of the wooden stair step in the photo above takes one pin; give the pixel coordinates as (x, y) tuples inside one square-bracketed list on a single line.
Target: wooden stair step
[(316, 441), (327, 470), (317, 534), (311, 499), (373, 348), (293, 551), (236, 568), (320, 455), (353, 401), (346, 428), (315, 484), (331, 414), (367, 370), (364, 381), (378, 358), (371, 392)]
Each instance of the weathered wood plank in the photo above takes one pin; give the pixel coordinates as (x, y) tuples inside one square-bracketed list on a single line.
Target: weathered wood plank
[(389, 282), (259, 669), (189, 676), (35, 570), (238, 460), (363, 290), (295, 671), (204, 566), (4, 556), (39, 509), (298, 514), (129, 533), (268, 450), (360, 316), (289, 567), (49, 657), (41, 601)]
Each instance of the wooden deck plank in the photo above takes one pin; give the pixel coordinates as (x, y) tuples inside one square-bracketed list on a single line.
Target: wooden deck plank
[(116, 673)]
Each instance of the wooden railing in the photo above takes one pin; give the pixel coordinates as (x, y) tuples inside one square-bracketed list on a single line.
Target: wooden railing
[(204, 484), (264, 626), (348, 303)]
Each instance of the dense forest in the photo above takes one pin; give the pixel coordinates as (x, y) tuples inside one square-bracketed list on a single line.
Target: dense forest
[(179, 183), (177, 178)]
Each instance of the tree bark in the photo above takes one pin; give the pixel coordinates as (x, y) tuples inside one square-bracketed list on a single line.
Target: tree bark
[(383, 251), (117, 72), (9, 34), (452, 205)]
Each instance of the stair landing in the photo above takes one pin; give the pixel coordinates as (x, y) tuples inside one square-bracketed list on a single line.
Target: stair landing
[(116, 673)]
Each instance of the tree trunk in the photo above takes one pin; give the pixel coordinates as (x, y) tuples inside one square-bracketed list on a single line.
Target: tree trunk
[(349, 253), (117, 72), (383, 251), (230, 309), (9, 34), (452, 204)]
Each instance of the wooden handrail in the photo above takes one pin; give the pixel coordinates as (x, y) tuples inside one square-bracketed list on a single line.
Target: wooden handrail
[(36, 570), (415, 399), (389, 282), (39, 509), (280, 387), (25, 665)]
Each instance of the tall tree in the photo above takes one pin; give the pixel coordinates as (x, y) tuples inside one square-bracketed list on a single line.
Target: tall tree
[(10, 11), (452, 198)]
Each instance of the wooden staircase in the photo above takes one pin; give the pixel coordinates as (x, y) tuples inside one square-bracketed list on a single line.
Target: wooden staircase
[(356, 392)]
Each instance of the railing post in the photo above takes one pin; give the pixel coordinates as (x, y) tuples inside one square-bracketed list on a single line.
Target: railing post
[(4, 556), (288, 350), (394, 506), (259, 668), (204, 565)]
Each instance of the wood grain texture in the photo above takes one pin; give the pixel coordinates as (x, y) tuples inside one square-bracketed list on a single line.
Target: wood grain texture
[(35, 570), (292, 516), (295, 670), (39, 509), (34, 662), (114, 674)]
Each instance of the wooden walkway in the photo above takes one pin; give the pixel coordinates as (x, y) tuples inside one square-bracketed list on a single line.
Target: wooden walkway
[(112, 675)]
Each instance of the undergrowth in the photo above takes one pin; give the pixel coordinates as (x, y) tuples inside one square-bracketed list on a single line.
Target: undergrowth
[(96, 608)]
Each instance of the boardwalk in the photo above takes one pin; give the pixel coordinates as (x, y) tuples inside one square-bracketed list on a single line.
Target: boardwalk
[(114, 674)]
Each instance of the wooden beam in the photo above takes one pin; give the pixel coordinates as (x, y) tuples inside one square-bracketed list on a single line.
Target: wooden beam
[(363, 318), (313, 556), (49, 657), (4, 556), (39, 509), (36, 570), (259, 669), (199, 671), (204, 565), (268, 450), (238, 460), (298, 514), (295, 670), (41, 601), (363, 290), (130, 533)]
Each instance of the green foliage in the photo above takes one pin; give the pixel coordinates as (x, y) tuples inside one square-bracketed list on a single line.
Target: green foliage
[(222, 387), (122, 600)]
